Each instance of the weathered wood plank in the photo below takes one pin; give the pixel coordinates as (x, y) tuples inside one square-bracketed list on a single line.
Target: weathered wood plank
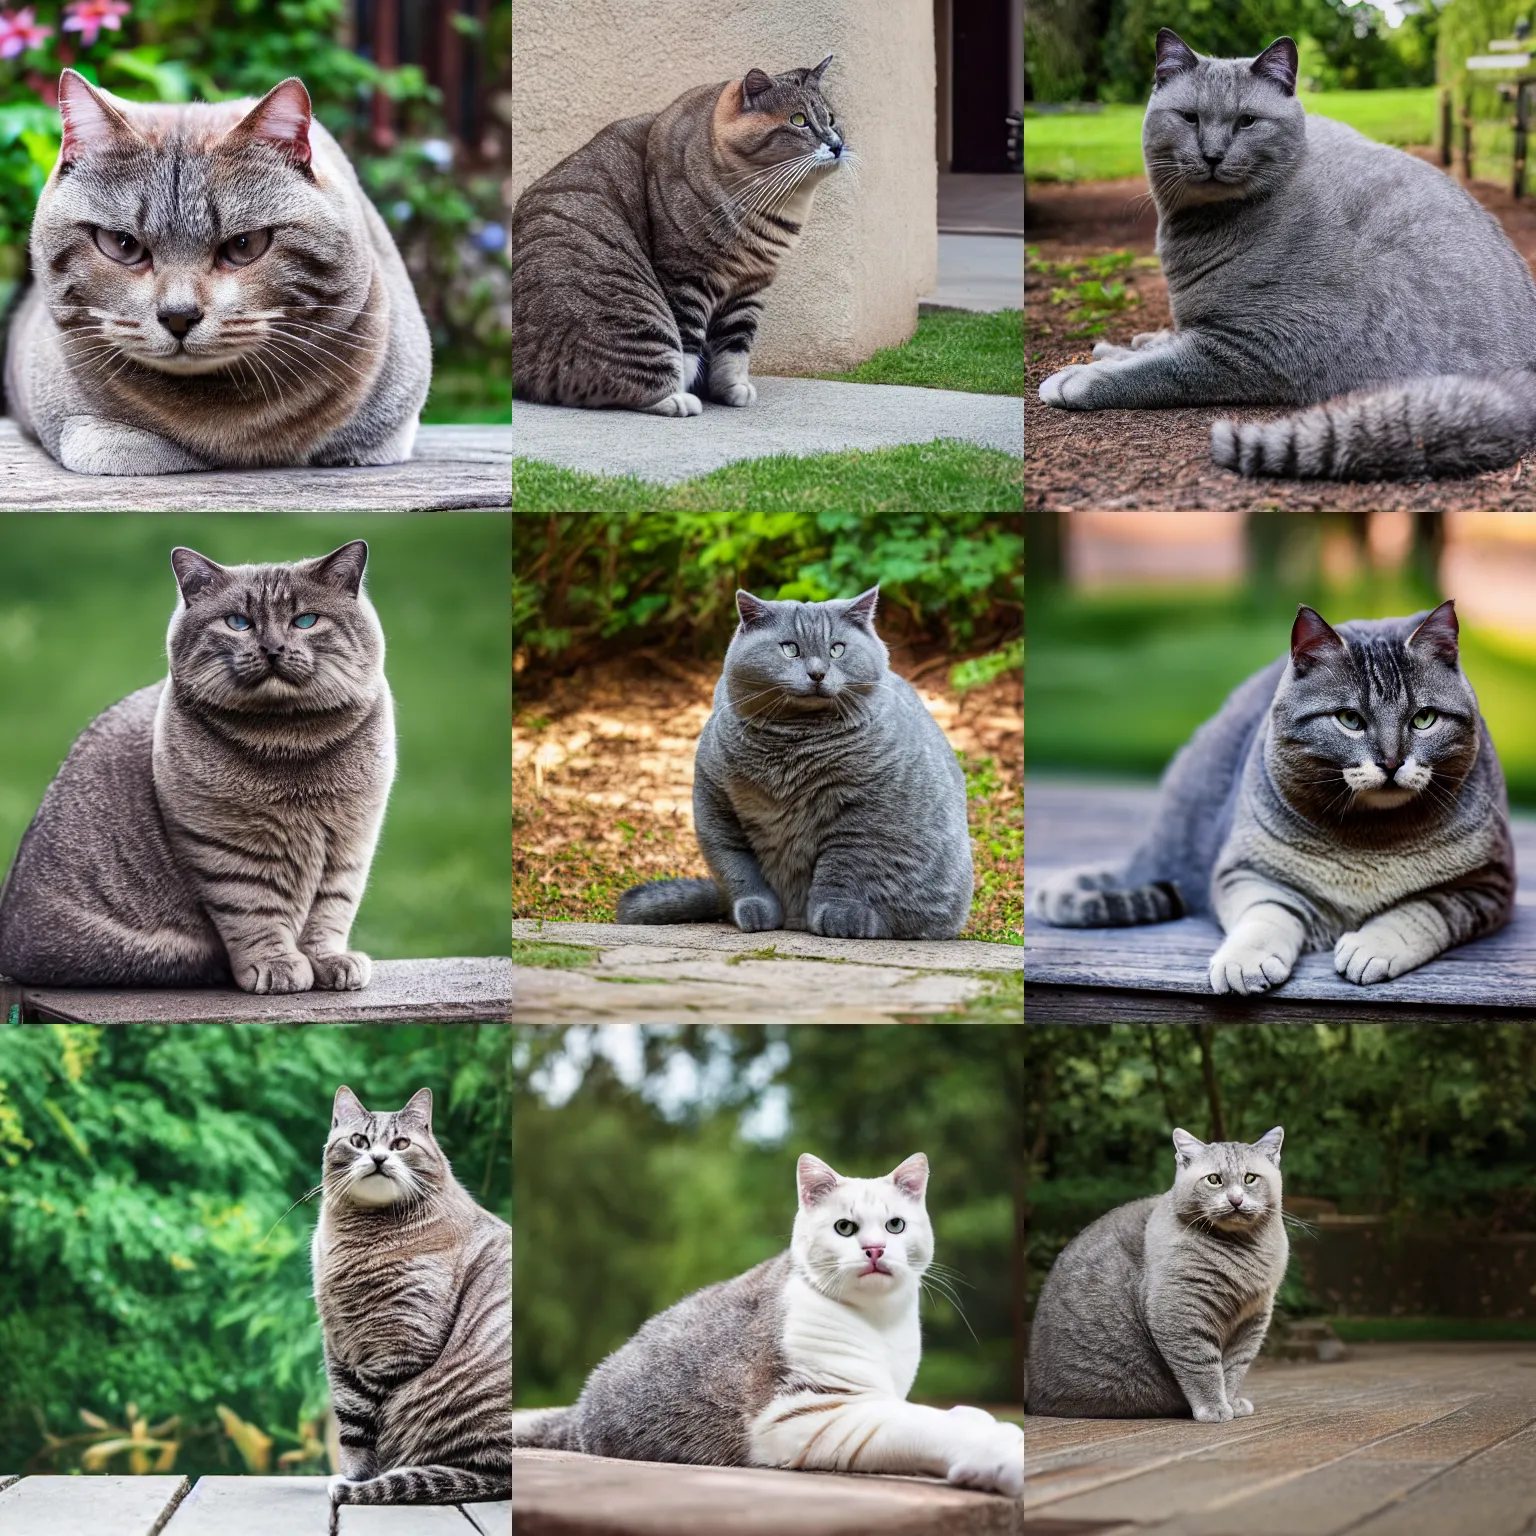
[(254, 1506), (89, 1506), (404, 1520), (1068, 824), (557, 1493), (428, 991), (490, 1519), (453, 467)]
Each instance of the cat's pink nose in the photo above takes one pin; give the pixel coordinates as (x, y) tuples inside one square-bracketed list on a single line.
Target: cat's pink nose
[(1235, 1196), (873, 1254)]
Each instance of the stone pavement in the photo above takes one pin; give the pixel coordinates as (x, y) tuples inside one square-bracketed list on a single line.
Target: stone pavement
[(980, 272)]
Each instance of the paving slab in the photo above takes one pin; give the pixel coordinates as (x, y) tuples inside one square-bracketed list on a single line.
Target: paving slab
[(89, 1506), (452, 468), (796, 417), (971, 203), (979, 272)]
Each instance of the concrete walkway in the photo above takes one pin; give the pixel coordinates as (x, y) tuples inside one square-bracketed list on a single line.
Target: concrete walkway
[(980, 272), (792, 416)]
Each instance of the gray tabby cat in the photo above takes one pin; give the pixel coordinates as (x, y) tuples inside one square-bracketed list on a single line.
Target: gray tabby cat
[(803, 1363), (413, 1281), (212, 290), (220, 823), (639, 261), (1303, 261), (825, 796), (1347, 797), (1157, 1309)]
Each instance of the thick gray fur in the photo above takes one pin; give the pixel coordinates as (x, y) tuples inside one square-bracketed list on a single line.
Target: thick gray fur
[(219, 824), (1269, 805), (1306, 262), (825, 796), (1157, 1309)]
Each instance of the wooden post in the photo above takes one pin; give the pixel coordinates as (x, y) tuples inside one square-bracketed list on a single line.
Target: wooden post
[(1522, 128), (1466, 136), (386, 54), (1447, 132)]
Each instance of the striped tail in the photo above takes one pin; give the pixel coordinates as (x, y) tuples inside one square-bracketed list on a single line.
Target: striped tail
[(1099, 898), (1456, 424), (424, 1485), (672, 901)]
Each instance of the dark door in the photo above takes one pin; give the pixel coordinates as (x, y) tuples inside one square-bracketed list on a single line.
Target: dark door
[(979, 85)]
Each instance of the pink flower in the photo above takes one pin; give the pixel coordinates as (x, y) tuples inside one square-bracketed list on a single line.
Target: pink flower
[(88, 17), (19, 31)]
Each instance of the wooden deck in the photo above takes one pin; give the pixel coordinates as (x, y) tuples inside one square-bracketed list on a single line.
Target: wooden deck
[(221, 1506), (1158, 973), (465, 468), (1397, 1440)]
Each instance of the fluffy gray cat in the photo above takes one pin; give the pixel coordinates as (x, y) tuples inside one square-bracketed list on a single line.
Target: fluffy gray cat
[(804, 1362), (1157, 1309), (1304, 261), (413, 1281), (220, 823), (212, 290), (1346, 797), (825, 796)]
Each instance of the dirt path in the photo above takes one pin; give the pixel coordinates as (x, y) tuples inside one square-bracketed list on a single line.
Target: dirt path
[(1160, 460)]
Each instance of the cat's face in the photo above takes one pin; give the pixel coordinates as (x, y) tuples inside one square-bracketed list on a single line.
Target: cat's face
[(862, 1239), (782, 121), (1374, 718), (800, 660), (1230, 1185), (374, 1159), (1220, 128), (275, 638), (195, 239)]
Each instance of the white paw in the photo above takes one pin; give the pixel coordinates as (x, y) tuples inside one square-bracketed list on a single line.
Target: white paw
[(693, 366), (680, 404), (288, 973), (88, 446), (349, 971), (1217, 1415), (1144, 339), (1378, 952), (338, 1487), (1241, 1407), (738, 394), (1243, 966), (993, 1461), (1109, 349), (1054, 390)]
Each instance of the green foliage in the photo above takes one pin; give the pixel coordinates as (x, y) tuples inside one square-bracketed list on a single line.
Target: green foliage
[(589, 581), (953, 349), (1466, 28), (147, 1253)]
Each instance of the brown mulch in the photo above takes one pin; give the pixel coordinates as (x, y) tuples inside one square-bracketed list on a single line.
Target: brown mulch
[(1161, 460)]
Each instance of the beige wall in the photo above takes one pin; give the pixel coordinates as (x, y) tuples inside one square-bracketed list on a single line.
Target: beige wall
[(869, 251)]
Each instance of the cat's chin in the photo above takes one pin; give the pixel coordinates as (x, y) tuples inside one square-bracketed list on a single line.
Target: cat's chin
[(187, 364), (373, 1191), (1385, 799)]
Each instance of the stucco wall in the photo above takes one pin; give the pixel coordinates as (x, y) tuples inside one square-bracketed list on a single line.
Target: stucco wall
[(869, 250)]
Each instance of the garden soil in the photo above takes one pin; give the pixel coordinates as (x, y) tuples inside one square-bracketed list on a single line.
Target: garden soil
[(1160, 460)]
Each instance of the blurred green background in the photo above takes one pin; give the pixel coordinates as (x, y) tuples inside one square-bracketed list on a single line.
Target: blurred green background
[(145, 1255), (83, 614), (651, 1162)]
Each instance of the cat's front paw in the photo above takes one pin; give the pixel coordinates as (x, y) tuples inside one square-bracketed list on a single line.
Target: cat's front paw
[(348, 971), (1080, 386), (680, 404), (287, 973), (1109, 349), (992, 1460), (89, 446), (743, 393), (757, 914), (845, 920), (1244, 966), (1382, 949), (1214, 1413), (1241, 1407)]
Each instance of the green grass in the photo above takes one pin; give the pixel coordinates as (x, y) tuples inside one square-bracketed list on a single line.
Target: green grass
[(1106, 145), (953, 349), (1459, 1330), (551, 957), (468, 390), (952, 476), (82, 623)]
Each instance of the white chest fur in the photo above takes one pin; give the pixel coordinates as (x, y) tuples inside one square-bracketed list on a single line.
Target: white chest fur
[(874, 1348)]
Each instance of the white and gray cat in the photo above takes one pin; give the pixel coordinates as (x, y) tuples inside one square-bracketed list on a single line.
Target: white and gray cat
[(1303, 261), (212, 289), (413, 1281), (825, 796), (1348, 797), (803, 1363), (220, 824), (1157, 1309)]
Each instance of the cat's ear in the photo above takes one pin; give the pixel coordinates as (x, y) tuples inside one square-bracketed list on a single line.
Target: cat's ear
[(816, 1179), (1174, 55), (1185, 1146), (820, 69), (1439, 633), (1313, 640), (1277, 64), (342, 568), (753, 610), (756, 84), (1269, 1144), (420, 1105), (92, 117), (861, 609), (195, 573), (346, 1108), (282, 117), (911, 1178)]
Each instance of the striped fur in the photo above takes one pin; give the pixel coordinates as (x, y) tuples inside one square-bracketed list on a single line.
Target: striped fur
[(220, 825), (1101, 898), (639, 261), (303, 343), (413, 1282)]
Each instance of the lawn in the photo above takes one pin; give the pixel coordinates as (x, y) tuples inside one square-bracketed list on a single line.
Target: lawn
[(82, 623), (1106, 145), (466, 388), (953, 349)]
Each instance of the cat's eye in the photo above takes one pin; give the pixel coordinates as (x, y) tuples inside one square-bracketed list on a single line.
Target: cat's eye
[(1351, 719), (1250, 1178), (799, 119), (1424, 719), (237, 621), (242, 250), (838, 647), (305, 621), (358, 1140), (1213, 1178), (896, 1224), (1190, 117), (400, 1143), (845, 1228), (121, 246), (1247, 120), (789, 647)]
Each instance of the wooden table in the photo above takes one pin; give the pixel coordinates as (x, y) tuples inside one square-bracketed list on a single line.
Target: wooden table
[(221, 1506), (1396, 1440), (1158, 973)]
